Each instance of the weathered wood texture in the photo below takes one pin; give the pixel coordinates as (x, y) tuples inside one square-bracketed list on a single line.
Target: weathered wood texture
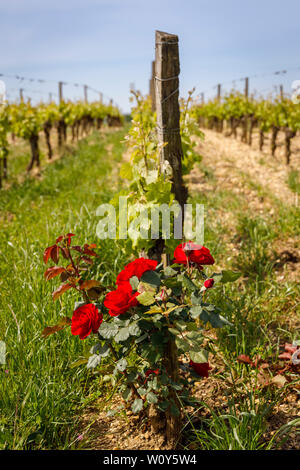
[(167, 107), (152, 86), (60, 91)]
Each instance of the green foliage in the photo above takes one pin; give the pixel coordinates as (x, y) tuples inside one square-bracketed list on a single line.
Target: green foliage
[(282, 113), (4, 129), (149, 179)]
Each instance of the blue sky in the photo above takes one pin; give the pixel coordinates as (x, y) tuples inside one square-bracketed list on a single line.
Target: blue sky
[(109, 44)]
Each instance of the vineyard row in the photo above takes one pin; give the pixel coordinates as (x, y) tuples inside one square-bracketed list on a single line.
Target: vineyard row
[(27, 121), (237, 111)]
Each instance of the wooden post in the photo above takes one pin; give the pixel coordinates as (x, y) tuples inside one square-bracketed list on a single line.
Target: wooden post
[(167, 107), (219, 92), (21, 95), (168, 131), (281, 92), (246, 87), (50, 97), (60, 91), (245, 118), (101, 97), (202, 98), (85, 88), (152, 85)]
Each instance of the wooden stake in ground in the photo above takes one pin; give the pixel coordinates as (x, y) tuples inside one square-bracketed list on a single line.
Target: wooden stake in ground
[(246, 87), (281, 92), (60, 91), (167, 107), (245, 118), (168, 130), (85, 88), (152, 85)]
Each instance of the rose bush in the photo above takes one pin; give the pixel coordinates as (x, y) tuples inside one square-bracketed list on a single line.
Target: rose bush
[(151, 321)]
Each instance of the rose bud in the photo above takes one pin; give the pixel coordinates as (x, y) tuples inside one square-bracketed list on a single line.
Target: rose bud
[(163, 295), (209, 283)]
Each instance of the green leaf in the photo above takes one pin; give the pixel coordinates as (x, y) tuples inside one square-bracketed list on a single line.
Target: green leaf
[(226, 276), (141, 338), (191, 326), (199, 356), (174, 331), (146, 298), (137, 405), (134, 329), (195, 299), (103, 351), (182, 344), (122, 335), (132, 376), (195, 311), (142, 391), (180, 325), (151, 398), (127, 394), (215, 319), (134, 282), (186, 282), (210, 307), (121, 364), (93, 361), (230, 276), (195, 336), (126, 171), (151, 277), (217, 277), (169, 272), (108, 330)]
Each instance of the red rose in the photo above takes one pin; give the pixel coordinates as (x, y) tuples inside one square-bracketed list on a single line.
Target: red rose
[(152, 371), (209, 283), (195, 253), (135, 268), (120, 300), (86, 319), (201, 368)]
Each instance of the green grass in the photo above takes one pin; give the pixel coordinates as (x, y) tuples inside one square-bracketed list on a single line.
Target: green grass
[(294, 181), (40, 394)]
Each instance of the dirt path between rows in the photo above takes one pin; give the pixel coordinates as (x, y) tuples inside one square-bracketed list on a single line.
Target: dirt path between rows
[(231, 160)]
